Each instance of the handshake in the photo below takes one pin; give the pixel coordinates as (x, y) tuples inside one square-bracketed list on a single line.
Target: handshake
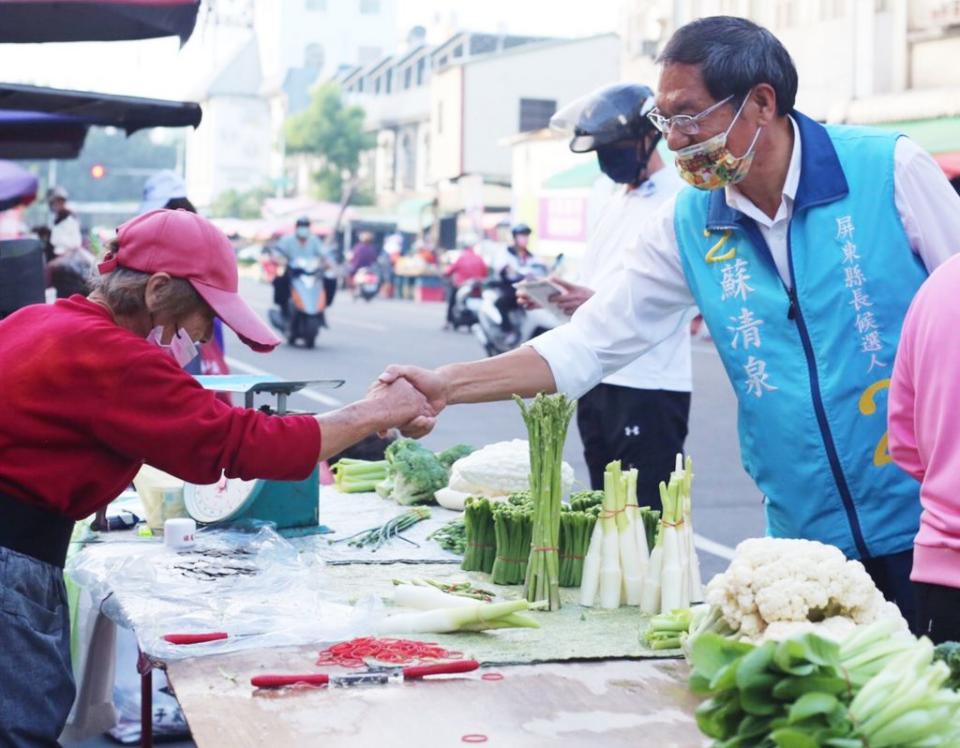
[(408, 398)]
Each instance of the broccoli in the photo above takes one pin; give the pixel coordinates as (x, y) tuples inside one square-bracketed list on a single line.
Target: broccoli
[(414, 474), (454, 453), (949, 652)]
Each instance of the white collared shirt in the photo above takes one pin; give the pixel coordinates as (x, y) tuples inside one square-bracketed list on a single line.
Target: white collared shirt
[(650, 300), (623, 217)]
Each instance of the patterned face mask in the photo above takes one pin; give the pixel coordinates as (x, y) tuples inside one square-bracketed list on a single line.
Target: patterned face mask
[(710, 165), (181, 346)]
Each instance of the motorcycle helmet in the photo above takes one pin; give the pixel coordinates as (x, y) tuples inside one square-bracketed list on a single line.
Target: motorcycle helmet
[(611, 115)]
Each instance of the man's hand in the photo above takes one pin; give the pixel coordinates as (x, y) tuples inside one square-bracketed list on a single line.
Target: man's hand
[(573, 296), (404, 407), (430, 384)]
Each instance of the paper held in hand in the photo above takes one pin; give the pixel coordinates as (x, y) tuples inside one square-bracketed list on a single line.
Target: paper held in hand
[(541, 291)]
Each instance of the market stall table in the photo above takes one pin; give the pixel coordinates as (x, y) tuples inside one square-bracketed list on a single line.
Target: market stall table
[(298, 593), (610, 703)]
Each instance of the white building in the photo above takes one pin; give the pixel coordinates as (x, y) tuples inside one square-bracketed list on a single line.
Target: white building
[(230, 150), (302, 42), (477, 103), (396, 94)]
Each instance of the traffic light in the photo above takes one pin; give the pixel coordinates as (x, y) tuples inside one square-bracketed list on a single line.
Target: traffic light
[(98, 171)]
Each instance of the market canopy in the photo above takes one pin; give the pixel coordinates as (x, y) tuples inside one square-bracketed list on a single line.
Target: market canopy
[(52, 123), (31, 21)]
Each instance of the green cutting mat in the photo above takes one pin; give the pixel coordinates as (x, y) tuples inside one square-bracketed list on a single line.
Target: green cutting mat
[(571, 633)]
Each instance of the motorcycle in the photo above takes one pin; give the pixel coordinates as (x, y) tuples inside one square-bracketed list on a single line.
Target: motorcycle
[(527, 324), (305, 308), (366, 283), (467, 300)]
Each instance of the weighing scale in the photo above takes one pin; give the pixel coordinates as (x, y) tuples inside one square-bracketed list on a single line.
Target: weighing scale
[(293, 506)]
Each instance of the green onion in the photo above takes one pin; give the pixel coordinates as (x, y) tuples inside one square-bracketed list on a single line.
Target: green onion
[(358, 476)]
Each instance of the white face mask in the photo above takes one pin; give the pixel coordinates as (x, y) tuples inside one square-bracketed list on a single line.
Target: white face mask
[(181, 345)]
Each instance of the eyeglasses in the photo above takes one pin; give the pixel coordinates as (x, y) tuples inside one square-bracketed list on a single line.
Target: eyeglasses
[(686, 123)]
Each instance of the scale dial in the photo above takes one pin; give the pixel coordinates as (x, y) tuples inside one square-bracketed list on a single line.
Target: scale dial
[(220, 501)]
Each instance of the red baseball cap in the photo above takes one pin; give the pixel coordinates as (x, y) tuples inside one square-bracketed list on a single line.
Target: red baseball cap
[(188, 246)]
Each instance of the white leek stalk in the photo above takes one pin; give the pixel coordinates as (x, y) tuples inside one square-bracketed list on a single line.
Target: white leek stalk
[(610, 576), (630, 565), (673, 586), (445, 620), (696, 582), (650, 598), (590, 582), (429, 598)]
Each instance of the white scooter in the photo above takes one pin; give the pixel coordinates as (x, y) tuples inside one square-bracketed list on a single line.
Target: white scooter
[(527, 324)]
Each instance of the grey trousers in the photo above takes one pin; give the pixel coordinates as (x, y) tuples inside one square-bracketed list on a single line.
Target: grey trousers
[(36, 679)]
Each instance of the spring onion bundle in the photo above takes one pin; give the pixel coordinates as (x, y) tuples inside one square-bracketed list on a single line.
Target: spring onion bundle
[(463, 615), (456, 589), (617, 552), (513, 532), (668, 630), (358, 476), (673, 574), (377, 536), (547, 419), (481, 544), (451, 537)]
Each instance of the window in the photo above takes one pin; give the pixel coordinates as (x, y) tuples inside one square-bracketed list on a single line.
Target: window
[(408, 76), (535, 114), (320, 5), (376, 86), (458, 51), (313, 56), (421, 69), (389, 80), (369, 7)]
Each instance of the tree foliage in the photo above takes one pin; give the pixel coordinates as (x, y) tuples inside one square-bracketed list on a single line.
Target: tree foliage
[(333, 133)]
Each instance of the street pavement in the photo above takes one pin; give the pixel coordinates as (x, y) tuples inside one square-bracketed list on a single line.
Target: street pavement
[(364, 337)]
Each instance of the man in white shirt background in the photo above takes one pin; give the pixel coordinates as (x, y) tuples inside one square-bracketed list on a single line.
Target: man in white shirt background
[(802, 245), (639, 414)]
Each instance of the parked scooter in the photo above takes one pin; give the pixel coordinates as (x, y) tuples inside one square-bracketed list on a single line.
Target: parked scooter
[(466, 304), (366, 283), (304, 314), (527, 324)]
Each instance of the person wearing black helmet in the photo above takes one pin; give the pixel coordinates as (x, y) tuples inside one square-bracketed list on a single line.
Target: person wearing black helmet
[(639, 414), (515, 264)]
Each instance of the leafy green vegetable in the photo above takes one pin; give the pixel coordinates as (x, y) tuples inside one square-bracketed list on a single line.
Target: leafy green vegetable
[(451, 454), (414, 473), (451, 537), (949, 652)]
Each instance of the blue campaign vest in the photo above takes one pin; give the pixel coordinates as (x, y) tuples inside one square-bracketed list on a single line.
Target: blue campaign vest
[(810, 367)]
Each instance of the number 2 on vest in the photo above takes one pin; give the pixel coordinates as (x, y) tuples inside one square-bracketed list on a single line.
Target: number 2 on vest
[(713, 254), (868, 406)]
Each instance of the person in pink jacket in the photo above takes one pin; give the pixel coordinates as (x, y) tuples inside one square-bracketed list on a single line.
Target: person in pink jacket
[(924, 440)]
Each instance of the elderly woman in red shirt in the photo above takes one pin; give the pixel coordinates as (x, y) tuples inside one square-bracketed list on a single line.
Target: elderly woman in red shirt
[(91, 389)]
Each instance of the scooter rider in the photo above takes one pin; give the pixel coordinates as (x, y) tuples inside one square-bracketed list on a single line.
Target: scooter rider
[(303, 244), (639, 414), (515, 265)]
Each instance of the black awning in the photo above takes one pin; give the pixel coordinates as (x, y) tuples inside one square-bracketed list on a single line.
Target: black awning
[(30, 21), (52, 123)]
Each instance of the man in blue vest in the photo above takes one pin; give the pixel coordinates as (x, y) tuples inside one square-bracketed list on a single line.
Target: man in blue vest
[(802, 245)]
